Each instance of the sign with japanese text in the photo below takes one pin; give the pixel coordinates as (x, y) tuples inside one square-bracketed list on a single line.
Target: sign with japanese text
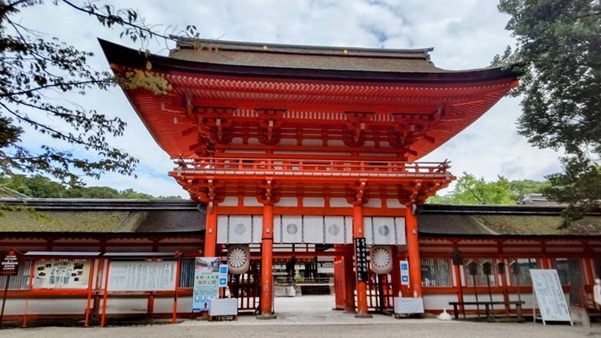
[(10, 264), (361, 252), (206, 282), (142, 276), (549, 295)]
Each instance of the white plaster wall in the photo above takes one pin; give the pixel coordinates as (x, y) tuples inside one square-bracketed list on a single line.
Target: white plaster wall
[(251, 202), (45, 306), (439, 301), (287, 202), (394, 204), (313, 202), (339, 203), (374, 203), (229, 202)]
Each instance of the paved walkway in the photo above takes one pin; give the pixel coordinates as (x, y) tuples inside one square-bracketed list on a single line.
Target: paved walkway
[(312, 316)]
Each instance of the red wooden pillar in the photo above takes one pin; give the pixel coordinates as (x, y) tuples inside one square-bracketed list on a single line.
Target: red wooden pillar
[(339, 282), (396, 272), (415, 272), (211, 231), (459, 282), (349, 278), (361, 286), (266, 263)]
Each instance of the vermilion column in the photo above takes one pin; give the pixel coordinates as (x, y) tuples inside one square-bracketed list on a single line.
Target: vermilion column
[(266, 262), (361, 286), (415, 273), (211, 232), (349, 278)]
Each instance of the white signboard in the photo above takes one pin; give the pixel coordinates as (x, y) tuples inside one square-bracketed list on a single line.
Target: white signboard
[(549, 295), (142, 276), (50, 274), (404, 272)]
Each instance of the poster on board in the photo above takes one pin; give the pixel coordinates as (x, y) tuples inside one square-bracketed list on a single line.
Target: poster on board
[(54, 274), (549, 295), (206, 282), (142, 276)]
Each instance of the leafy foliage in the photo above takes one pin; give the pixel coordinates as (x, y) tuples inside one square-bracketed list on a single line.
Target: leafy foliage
[(470, 190), (558, 46), (35, 68), (41, 187)]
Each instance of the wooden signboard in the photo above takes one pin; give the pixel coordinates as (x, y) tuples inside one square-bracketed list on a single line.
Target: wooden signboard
[(549, 296), (142, 276), (361, 253)]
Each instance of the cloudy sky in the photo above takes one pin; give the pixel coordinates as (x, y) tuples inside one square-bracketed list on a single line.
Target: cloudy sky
[(464, 33)]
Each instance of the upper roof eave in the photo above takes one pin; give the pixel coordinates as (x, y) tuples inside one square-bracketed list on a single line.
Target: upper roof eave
[(124, 56), (186, 42)]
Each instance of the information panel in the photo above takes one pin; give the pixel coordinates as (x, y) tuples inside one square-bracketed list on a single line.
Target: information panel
[(142, 276), (404, 272), (10, 264), (361, 259), (55, 274), (206, 282), (549, 295)]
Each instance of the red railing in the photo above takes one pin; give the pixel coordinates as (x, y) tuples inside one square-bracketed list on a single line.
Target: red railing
[(293, 167)]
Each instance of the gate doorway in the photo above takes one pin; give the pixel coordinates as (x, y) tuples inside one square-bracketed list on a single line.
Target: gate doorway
[(313, 281)]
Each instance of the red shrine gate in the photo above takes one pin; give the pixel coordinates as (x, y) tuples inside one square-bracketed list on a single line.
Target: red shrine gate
[(307, 145)]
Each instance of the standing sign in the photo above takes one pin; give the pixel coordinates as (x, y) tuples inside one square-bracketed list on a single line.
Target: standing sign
[(206, 282), (404, 272), (361, 249), (10, 264), (223, 269), (549, 296)]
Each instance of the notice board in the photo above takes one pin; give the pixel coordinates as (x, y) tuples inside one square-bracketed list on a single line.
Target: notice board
[(549, 295), (142, 276)]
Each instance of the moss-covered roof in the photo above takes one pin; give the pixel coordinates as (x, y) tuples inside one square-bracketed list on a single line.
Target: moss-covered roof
[(101, 216), (95, 221), (538, 225), (502, 220)]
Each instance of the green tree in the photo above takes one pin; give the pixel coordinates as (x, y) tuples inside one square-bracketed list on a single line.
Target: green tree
[(131, 194), (34, 68), (470, 190), (558, 50), (36, 186), (42, 187), (522, 188)]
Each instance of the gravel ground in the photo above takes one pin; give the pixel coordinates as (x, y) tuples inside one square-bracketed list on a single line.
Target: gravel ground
[(311, 316)]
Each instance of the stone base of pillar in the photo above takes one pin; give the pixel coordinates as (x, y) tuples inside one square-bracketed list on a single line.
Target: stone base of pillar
[(359, 315), (266, 317)]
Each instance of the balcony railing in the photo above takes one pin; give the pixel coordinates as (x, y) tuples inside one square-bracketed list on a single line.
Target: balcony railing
[(294, 167)]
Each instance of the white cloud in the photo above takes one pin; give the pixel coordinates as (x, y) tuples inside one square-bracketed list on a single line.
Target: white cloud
[(465, 34)]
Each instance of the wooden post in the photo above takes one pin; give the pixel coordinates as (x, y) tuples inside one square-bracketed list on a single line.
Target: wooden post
[(460, 286), (415, 272), (106, 291), (177, 273), (361, 286), (266, 264), (349, 278), (150, 305), (29, 289), (90, 285), (211, 232)]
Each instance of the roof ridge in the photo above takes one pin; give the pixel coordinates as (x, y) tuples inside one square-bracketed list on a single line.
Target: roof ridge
[(187, 42)]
